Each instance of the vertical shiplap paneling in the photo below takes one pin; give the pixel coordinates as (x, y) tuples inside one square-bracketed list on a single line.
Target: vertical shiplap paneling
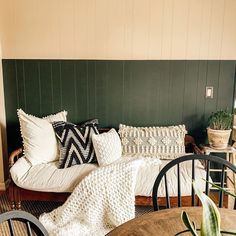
[(32, 87), (101, 92), (11, 104), (139, 99), (193, 31), (127, 91), (67, 86), (143, 93), (46, 87), (91, 89), (20, 75), (116, 29), (153, 97), (226, 73), (216, 29), (67, 28), (81, 29), (90, 23), (163, 97), (81, 71), (179, 28), (56, 85), (126, 29), (228, 49), (167, 28), (155, 39), (212, 79), (201, 93), (190, 93), (101, 28), (205, 25), (141, 20), (177, 89), (114, 101)]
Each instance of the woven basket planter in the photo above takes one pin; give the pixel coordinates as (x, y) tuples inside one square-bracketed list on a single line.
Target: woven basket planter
[(218, 139)]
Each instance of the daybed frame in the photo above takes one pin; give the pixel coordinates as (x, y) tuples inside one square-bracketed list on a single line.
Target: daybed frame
[(17, 194)]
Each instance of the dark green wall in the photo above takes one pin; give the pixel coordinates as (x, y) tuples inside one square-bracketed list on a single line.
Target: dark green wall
[(130, 92)]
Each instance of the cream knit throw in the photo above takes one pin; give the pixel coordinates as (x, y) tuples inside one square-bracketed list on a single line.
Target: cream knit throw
[(103, 200)]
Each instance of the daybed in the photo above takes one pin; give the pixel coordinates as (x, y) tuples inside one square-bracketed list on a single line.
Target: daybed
[(46, 182)]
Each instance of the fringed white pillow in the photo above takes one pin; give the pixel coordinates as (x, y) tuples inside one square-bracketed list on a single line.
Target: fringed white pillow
[(161, 142), (39, 140)]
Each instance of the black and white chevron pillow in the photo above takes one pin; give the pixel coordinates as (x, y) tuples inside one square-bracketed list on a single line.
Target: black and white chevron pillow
[(75, 142)]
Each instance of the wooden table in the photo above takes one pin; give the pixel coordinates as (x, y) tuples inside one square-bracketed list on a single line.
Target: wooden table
[(168, 222)]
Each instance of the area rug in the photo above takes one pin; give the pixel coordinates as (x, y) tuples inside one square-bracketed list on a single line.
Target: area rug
[(36, 208)]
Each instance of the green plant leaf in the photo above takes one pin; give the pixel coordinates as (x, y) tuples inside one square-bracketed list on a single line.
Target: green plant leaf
[(221, 120), (191, 227), (211, 217), (222, 189)]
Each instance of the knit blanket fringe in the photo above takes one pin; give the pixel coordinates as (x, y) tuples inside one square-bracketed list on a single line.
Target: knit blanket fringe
[(101, 201)]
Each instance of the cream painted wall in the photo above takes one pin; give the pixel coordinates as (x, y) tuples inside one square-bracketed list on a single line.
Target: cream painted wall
[(120, 29), (114, 29)]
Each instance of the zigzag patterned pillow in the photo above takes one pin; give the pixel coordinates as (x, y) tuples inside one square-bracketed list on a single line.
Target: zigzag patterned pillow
[(75, 142)]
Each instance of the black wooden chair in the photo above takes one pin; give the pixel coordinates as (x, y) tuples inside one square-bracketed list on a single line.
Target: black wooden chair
[(32, 224), (206, 160)]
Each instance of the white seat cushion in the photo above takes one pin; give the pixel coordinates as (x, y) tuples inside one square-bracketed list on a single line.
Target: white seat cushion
[(48, 178)]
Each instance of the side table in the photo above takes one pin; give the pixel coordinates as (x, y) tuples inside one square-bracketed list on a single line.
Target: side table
[(230, 152)]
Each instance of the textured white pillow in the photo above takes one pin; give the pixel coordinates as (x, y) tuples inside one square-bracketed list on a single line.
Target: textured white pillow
[(160, 142), (107, 147), (39, 140)]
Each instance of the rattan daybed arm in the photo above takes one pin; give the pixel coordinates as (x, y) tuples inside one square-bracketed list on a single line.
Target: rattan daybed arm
[(190, 143), (15, 155)]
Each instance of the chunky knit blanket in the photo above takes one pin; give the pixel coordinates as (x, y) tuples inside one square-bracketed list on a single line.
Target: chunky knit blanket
[(102, 200)]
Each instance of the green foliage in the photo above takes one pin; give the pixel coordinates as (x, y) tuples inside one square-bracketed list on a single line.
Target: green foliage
[(221, 120), (234, 111), (210, 225)]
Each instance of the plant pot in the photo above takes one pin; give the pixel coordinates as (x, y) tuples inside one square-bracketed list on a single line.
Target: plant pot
[(218, 139)]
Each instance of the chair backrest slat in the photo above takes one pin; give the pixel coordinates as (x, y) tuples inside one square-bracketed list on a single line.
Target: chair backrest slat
[(222, 180), (167, 193), (207, 159), (29, 231), (11, 227), (179, 188), (193, 178), (207, 176), (33, 225)]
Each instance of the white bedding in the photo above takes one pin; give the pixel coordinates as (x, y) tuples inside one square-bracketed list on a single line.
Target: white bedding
[(48, 178)]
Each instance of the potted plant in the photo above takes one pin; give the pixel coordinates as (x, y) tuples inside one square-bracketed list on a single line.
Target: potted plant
[(210, 225), (219, 130)]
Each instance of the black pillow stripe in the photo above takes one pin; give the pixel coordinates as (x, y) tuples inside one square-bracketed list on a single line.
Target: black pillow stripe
[(75, 142)]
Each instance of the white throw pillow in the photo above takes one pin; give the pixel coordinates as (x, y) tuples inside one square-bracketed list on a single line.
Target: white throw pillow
[(107, 147), (39, 140), (159, 142)]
